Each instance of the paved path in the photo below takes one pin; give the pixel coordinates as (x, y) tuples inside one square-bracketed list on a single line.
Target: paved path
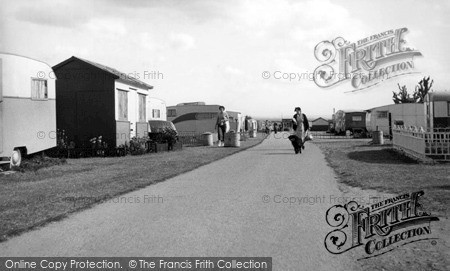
[(215, 210)]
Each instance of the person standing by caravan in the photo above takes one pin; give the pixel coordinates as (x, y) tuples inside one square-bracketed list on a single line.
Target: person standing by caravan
[(300, 125), (223, 125)]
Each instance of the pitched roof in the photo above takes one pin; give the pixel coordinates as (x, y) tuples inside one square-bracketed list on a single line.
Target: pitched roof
[(319, 119), (117, 74)]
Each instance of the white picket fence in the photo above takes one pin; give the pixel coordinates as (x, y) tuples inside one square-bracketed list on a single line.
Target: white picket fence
[(434, 143)]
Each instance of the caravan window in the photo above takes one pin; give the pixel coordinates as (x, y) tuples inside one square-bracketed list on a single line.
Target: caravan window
[(355, 118), (382, 114), (39, 89), (205, 116), (171, 112), (123, 105), (142, 108), (156, 113), (399, 122)]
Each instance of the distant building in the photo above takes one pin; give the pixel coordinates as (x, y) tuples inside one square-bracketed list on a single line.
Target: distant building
[(95, 100), (198, 117), (320, 124)]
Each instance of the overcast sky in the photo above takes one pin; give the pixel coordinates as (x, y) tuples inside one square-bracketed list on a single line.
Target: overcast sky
[(216, 51)]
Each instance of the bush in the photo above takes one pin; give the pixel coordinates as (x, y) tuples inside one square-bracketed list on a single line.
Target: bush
[(169, 135), (138, 146)]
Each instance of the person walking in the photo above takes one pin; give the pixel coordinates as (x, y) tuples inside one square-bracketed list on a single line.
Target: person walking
[(300, 124), (222, 124), (267, 128)]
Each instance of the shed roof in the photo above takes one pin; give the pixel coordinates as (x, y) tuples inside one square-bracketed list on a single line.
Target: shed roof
[(320, 118), (117, 74)]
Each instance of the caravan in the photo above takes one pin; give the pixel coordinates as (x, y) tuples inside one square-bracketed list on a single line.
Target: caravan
[(27, 108), (438, 110), (350, 122), (384, 118)]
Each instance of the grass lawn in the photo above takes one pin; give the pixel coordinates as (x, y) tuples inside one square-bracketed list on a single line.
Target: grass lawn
[(34, 198), (381, 168), (359, 164)]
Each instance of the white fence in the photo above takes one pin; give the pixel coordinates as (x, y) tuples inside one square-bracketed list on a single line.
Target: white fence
[(434, 143)]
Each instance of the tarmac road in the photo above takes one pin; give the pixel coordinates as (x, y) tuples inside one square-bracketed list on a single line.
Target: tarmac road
[(265, 201)]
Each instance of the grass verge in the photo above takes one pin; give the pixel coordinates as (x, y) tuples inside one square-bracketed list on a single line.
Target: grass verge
[(380, 168), (35, 197), (359, 164)]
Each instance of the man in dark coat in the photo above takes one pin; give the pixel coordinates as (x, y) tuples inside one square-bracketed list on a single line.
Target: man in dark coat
[(300, 125)]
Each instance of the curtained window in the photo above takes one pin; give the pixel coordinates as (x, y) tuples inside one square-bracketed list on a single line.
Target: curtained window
[(382, 114), (171, 112), (141, 107), (156, 113), (123, 105), (39, 89)]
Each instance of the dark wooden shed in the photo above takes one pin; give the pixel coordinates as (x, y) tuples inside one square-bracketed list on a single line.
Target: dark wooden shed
[(88, 102)]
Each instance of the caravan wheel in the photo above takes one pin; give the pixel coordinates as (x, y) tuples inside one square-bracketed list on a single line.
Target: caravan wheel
[(16, 158)]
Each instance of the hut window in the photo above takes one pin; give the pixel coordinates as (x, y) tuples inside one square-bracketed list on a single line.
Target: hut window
[(39, 89), (156, 113), (123, 105), (142, 108)]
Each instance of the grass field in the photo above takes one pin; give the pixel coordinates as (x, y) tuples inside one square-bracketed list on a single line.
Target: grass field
[(35, 197)]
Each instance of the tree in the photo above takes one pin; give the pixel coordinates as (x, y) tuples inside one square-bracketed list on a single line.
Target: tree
[(423, 87), (402, 96)]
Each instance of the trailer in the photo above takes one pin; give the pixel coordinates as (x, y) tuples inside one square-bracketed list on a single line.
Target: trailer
[(437, 110), (198, 117), (27, 108), (350, 121), (383, 118), (252, 126)]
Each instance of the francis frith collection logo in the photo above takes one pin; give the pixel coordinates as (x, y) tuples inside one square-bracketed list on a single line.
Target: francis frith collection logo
[(380, 227), (364, 63)]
